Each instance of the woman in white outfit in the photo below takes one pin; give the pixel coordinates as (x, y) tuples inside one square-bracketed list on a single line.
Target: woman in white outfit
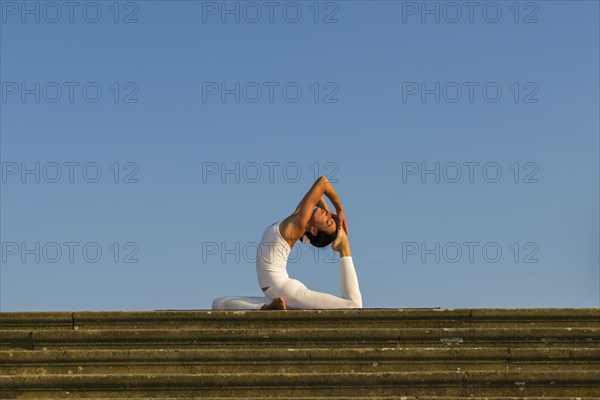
[(312, 222)]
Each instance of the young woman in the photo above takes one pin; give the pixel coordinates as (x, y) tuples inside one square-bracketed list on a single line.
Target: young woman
[(312, 222)]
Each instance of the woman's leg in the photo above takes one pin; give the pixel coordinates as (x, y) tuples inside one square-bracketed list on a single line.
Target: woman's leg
[(298, 297), (239, 303)]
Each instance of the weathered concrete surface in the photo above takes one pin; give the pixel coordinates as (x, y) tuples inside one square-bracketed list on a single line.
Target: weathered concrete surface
[(420, 353)]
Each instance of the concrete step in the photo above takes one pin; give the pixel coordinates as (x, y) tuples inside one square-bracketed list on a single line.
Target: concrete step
[(347, 337), (177, 361), (364, 318), (240, 395), (554, 383), (433, 354), (124, 395)]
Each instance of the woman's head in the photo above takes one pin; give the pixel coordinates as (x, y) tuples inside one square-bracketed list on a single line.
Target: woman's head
[(321, 229)]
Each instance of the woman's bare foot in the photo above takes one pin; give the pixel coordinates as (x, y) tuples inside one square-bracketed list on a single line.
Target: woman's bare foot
[(340, 240), (277, 304)]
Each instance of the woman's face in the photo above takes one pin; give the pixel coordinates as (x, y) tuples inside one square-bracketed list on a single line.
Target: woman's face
[(321, 220)]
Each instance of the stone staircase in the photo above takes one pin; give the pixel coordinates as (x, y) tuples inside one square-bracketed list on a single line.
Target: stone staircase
[(424, 354)]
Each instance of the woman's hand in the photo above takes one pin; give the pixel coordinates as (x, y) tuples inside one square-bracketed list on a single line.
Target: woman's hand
[(340, 220)]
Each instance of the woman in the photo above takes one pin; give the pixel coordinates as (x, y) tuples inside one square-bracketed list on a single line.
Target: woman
[(312, 222)]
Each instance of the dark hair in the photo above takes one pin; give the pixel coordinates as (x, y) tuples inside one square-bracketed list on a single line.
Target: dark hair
[(322, 238)]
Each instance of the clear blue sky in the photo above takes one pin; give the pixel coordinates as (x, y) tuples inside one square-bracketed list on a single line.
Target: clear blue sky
[(373, 94)]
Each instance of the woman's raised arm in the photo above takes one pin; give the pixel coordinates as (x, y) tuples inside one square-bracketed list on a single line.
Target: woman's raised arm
[(295, 224)]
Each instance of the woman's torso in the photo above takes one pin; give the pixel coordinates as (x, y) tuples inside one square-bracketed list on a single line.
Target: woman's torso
[(271, 257)]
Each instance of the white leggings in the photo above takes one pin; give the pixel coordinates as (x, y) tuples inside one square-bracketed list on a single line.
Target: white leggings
[(298, 297)]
